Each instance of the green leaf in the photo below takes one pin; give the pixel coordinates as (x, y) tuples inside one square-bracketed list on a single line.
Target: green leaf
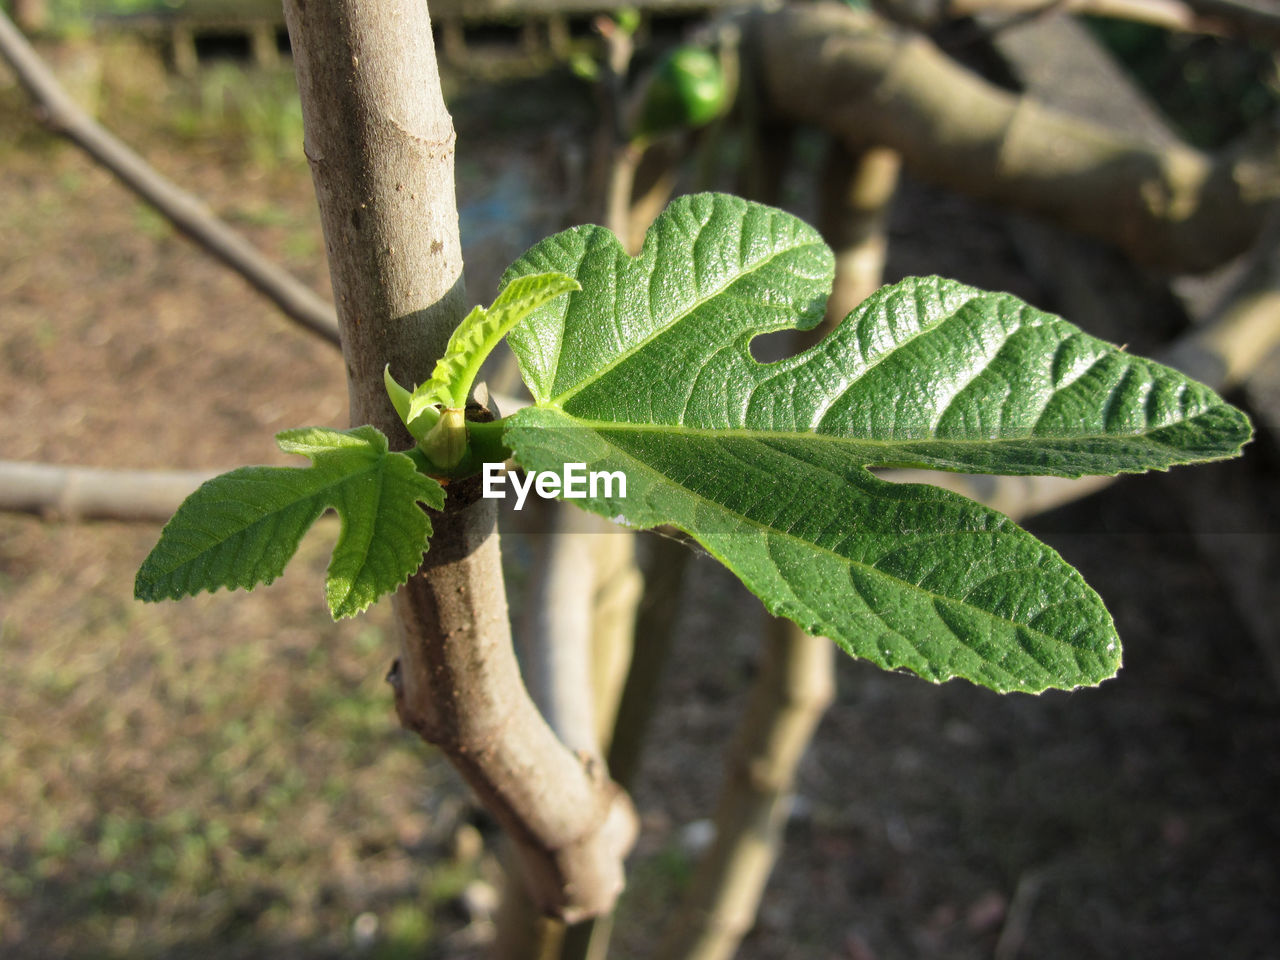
[(241, 528), (648, 370), (476, 337), (402, 399)]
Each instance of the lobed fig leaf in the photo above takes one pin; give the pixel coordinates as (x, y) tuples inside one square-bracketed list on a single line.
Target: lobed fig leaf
[(647, 369), (241, 528)]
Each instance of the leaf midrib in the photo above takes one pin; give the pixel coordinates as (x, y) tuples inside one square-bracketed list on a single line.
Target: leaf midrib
[(371, 535), (746, 433), (871, 569), (327, 504)]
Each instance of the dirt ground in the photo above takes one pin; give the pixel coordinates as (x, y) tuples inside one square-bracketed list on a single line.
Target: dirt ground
[(225, 776)]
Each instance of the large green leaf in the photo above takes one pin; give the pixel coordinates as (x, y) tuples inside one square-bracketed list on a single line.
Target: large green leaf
[(241, 528), (647, 370)]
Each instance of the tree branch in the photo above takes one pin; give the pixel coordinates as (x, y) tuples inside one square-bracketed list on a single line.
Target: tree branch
[(555, 634), (855, 194), (88, 493), (91, 493), (852, 74), (1186, 16), (381, 144), (298, 301)]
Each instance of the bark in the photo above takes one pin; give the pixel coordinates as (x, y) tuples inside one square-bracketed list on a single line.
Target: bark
[(298, 301), (381, 148), (872, 85)]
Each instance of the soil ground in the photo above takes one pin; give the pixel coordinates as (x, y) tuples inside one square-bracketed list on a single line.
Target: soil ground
[(225, 776)]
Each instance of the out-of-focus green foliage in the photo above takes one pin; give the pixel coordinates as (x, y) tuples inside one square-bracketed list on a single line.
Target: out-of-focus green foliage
[(688, 89), (258, 109)]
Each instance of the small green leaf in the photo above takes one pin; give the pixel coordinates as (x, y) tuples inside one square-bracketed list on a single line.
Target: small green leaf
[(584, 66), (400, 397), (648, 371), (402, 400), (240, 529), (628, 19), (478, 334)]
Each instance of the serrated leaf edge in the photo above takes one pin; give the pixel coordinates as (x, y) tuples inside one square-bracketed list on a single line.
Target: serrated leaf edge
[(780, 608), (480, 331), (287, 441)]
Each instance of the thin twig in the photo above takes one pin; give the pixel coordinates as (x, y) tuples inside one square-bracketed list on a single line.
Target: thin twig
[(1018, 920), (298, 301)]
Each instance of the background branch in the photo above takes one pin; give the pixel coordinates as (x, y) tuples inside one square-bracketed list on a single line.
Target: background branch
[(298, 301), (89, 493), (1247, 19), (555, 639), (854, 75), (795, 684), (1223, 17)]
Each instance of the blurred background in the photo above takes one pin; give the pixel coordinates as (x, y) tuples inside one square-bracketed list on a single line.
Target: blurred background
[(226, 776)]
